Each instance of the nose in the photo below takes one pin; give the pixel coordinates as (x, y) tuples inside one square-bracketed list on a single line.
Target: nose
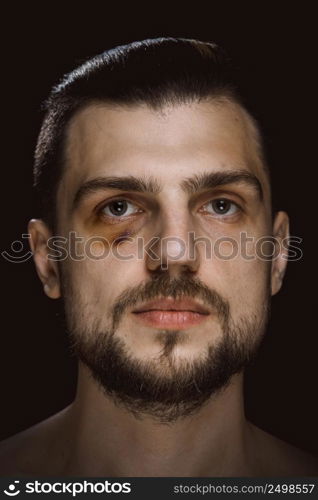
[(172, 247)]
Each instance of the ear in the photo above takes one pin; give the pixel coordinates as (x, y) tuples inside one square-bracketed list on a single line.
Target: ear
[(47, 268), (279, 262)]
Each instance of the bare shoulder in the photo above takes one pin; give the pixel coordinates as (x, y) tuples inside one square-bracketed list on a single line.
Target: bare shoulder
[(38, 450), (274, 457)]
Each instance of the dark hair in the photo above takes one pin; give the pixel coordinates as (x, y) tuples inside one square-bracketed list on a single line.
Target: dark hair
[(155, 71)]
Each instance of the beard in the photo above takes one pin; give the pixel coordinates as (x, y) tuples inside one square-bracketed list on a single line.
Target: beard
[(162, 388)]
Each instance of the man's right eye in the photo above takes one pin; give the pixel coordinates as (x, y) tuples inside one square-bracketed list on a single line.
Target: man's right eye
[(119, 208)]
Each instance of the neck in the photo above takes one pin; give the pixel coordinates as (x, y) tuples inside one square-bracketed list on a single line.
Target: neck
[(107, 440)]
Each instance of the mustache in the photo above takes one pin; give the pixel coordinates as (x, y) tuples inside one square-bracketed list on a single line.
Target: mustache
[(164, 285)]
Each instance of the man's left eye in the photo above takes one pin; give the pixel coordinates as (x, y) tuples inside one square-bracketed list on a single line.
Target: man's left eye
[(119, 208), (221, 206)]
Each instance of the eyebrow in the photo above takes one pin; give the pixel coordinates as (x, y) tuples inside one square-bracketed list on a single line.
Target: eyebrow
[(128, 183), (190, 185), (210, 180)]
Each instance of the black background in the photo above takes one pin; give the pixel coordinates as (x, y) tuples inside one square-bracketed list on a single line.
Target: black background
[(276, 55)]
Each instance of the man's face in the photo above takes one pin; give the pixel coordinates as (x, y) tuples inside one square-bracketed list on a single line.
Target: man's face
[(110, 276)]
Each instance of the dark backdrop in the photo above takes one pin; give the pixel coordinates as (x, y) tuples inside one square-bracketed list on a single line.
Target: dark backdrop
[(275, 53)]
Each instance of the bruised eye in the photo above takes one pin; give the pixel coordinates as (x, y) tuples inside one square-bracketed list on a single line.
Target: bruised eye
[(119, 208), (221, 206)]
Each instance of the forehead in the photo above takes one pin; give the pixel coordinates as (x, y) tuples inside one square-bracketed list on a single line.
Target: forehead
[(169, 143)]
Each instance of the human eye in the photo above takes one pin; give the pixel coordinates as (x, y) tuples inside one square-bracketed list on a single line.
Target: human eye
[(221, 207), (119, 208)]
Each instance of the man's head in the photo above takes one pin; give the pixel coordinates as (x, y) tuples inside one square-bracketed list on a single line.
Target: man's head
[(149, 158)]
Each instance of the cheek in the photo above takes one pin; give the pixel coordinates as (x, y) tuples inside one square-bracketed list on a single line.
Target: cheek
[(244, 283), (248, 285), (105, 273)]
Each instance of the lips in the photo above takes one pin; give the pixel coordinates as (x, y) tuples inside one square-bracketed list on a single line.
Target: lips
[(170, 304), (169, 313)]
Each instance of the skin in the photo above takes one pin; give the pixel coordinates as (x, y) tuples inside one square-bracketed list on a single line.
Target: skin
[(168, 145)]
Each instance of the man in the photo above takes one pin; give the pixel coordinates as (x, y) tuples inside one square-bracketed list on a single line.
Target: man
[(154, 185)]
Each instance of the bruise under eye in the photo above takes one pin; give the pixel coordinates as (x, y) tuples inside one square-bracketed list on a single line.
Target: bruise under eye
[(123, 236), (114, 233), (116, 228)]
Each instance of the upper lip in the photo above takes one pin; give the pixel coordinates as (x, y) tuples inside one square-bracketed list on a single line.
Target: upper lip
[(170, 304)]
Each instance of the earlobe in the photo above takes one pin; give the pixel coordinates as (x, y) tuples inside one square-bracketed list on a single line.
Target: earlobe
[(46, 268), (279, 263)]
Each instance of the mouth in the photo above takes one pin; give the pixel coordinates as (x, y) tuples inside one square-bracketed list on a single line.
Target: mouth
[(171, 313)]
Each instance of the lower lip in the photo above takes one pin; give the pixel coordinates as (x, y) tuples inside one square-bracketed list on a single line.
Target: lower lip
[(171, 319)]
